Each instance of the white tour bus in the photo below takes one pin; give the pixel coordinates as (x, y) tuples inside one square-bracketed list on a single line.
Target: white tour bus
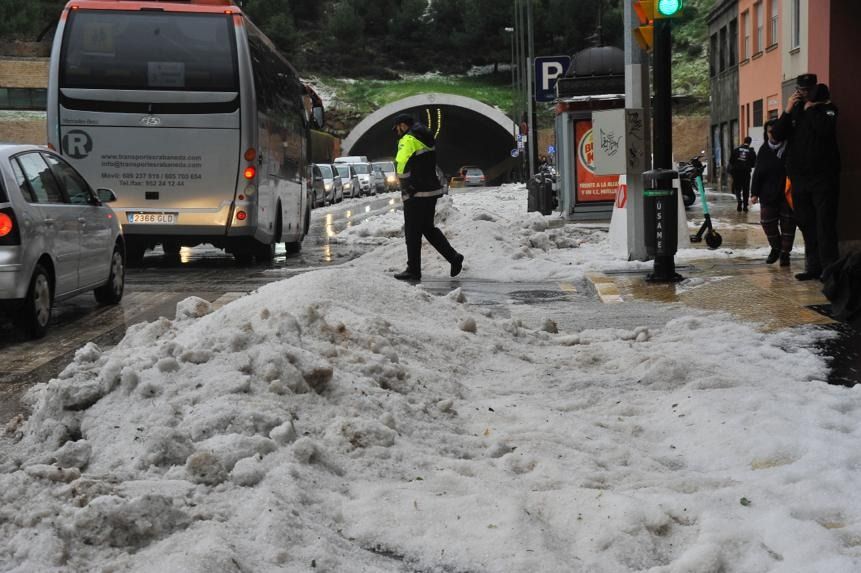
[(192, 116)]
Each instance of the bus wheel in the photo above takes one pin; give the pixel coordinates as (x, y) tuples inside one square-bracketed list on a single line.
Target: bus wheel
[(293, 247), (134, 254)]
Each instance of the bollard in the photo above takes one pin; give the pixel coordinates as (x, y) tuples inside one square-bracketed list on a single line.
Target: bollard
[(661, 223)]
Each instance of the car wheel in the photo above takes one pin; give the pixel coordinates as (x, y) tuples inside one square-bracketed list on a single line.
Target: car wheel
[(35, 313), (112, 291), (314, 200)]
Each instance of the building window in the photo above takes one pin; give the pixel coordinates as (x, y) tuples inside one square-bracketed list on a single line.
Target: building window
[(772, 23), (757, 113), (758, 26), (748, 116), (722, 48), (772, 114), (733, 42), (795, 41), (745, 30), (24, 98), (713, 56)]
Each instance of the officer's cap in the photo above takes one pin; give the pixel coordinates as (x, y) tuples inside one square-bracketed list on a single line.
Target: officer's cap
[(807, 81), (408, 119)]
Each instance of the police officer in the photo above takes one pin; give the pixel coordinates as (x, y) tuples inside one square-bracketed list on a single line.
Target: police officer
[(809, 124), (741, 161), (420, 189)]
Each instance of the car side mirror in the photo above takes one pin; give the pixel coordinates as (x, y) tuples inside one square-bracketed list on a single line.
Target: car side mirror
[(106, 195)]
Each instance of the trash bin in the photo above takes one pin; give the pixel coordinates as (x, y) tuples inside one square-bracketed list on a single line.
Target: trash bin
[(540, 197), (661, 215)]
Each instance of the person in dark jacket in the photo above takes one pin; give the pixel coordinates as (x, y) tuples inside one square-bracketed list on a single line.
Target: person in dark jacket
[(769, 189), (741, 161), (809, 125), (420, 189)]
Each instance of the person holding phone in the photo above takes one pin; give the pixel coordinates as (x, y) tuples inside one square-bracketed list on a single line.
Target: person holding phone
[(809, 126)]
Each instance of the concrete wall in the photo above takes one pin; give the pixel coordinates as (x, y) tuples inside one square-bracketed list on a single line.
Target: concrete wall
[(724, 95), (24, 72)]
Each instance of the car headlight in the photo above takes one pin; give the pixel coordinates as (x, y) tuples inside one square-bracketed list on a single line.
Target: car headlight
[(392, 179), (348, 185), (327, 186)]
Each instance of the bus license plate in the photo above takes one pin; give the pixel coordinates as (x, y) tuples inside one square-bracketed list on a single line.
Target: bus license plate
[(153, 218)]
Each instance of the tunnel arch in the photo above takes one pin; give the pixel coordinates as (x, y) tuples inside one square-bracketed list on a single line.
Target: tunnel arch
[(468, 132)]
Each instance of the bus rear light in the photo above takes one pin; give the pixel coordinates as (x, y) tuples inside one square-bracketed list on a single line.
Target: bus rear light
[(250, 154), (8, 228), (241, 215), (241, 197), (249, 172)]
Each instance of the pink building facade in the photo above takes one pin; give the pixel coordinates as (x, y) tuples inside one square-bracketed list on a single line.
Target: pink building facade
[(759, 67)]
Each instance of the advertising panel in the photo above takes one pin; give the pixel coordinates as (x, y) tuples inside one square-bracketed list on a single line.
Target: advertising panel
[(591, 187)]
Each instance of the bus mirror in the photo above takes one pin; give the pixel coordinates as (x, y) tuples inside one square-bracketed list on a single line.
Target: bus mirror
[(106, 195), (319, 116)]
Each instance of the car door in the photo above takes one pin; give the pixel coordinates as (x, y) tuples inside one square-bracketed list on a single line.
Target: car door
[(94, 263), (61, 229)]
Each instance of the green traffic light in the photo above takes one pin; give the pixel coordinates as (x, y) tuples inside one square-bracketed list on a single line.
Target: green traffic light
[(669, 7)]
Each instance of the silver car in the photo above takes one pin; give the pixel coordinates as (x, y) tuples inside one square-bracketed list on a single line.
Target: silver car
[(57, 237), (367, 185), (391, 176), (326, 186), (349, 179)]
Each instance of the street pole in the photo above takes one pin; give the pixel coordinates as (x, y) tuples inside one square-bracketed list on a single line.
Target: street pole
[(510, 32), (663, 94), (637, 96), (530, 101)]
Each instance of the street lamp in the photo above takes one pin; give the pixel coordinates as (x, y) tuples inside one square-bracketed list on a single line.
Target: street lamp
[(510, 30)]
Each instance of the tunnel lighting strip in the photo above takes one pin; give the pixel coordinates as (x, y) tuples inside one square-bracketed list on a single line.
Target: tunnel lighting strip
[(438, 122)]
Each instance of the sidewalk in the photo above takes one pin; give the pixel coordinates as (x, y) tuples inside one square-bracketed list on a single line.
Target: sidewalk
[(741, 284)]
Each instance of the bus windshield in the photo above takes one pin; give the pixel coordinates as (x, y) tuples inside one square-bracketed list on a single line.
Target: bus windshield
[(171, 51)]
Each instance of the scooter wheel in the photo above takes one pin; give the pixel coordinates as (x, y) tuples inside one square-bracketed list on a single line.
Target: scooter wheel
[(713, 239)]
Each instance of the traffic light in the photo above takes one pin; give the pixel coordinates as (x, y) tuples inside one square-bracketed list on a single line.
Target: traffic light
[(644, 35), (668, 9)]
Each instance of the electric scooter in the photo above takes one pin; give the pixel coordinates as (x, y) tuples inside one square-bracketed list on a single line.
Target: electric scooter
[(713, 238)]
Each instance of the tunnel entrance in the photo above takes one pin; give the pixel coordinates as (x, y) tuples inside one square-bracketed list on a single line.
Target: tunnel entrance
[(467, 132)]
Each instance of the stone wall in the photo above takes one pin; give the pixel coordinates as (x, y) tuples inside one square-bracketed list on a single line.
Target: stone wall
[(24, 72)]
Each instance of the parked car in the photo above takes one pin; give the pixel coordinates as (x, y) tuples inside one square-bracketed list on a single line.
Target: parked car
[(324, 187), (339, 184), (391, 175), (379, 178), (472, 176), (366, 185), (349, 179), (58, 238)]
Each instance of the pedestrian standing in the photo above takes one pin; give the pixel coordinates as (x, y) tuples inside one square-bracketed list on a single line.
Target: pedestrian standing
[(809, 125), (741, 161), (420, 189), (769, 189)]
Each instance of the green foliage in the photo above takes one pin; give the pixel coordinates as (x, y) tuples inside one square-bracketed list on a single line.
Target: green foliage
[(345, 28), (26, 20)]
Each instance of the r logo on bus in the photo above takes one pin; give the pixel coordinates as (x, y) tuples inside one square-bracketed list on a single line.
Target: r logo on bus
[(77, 144)]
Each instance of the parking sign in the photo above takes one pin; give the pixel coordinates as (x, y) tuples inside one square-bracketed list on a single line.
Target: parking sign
[(547, 70)]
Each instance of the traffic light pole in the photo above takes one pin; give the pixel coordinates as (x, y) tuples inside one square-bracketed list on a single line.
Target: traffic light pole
[(663, 202)]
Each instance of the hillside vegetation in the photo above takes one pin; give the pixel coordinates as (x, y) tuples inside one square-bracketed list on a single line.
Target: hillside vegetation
[(388, 40)]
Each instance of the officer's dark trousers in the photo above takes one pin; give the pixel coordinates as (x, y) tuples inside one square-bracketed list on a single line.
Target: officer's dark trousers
[(741, 188), (815, 205), (418, 221)]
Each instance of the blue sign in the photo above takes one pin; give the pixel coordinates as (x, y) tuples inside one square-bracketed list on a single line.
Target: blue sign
[(551, 149), (547, 71)]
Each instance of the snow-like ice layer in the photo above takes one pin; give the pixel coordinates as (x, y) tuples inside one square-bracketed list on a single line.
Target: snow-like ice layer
[(342, 421)]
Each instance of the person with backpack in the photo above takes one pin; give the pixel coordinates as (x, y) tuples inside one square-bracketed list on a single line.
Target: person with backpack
[(741, 162), (420, 189)]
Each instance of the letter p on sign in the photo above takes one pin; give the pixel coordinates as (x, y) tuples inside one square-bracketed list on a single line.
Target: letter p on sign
[(547, 71)]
